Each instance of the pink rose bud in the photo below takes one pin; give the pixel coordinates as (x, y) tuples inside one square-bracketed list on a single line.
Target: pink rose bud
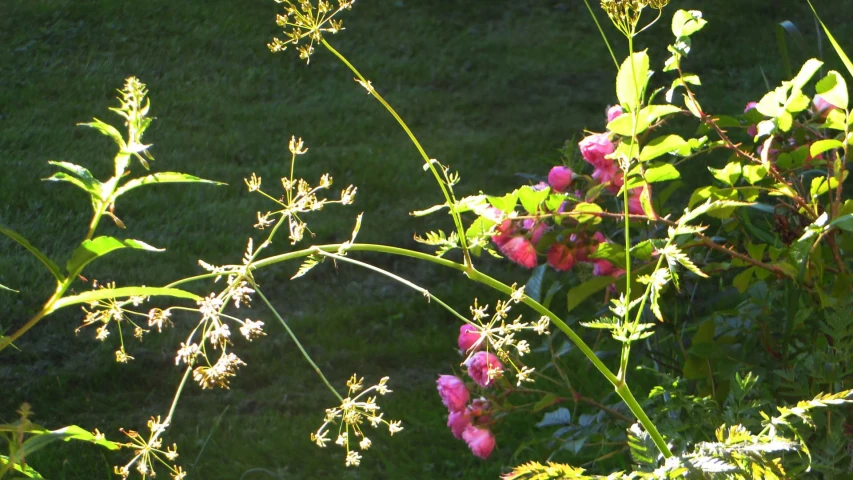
[(469, 337), (457, 422), (595, 147), (561, 257), (480, 440), (453, 392), (614, 112), (480, 364), (635, 207), (821, 105), (520, 251), (504, 233), (750, 106), (560, 178), (536, 233), (478, 407), (603, 268)]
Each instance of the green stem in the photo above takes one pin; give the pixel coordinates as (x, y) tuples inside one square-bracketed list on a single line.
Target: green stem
[(477, 276), (400, 279), (601, 31), (448, 194), (298, 344)]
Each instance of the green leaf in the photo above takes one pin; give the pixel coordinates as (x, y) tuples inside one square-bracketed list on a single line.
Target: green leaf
[(821, 146), (835, 45), (808, 70), (729, 175), (531, 199), (123, 292), (506, 203), (836, 120), (583, 291), (661, 173), (754, 173), (687, 22), (100, 246), (693, 106), (588, 207), (4, 287), (64, 177), (632, 79), (545, 402), (624, 124), (107, 130), (833, 89), (171, 177), (50, 264)]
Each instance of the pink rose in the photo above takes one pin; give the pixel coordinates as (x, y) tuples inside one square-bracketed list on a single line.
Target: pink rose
[(595, 147), (453, 392), (480, 440), (561, 257), (635, 207), (603, 268), (469, 337), (614, 112), (560, 178), (457, 422), (821, 105), (607, 171), (520, 251), (536, 232), (478, 407), (480, 364), (750, 106), (505, 232)]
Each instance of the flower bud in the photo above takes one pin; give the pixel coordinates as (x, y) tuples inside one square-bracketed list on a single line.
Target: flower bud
[(614, 112), (469, 337), (560, 178)]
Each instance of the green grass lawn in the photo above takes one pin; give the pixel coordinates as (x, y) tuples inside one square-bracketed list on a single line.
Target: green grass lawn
[(491, 88)]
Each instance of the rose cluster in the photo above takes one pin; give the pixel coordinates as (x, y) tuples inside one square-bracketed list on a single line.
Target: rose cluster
[(524, 240), (469, 419)]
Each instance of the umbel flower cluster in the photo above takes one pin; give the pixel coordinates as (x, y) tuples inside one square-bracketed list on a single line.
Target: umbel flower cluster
[(304, 24), (358, 408), (488, 343)]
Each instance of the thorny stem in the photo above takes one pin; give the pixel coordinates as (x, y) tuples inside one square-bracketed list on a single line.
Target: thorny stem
[(448, 193), (706, 119), (296, 340)]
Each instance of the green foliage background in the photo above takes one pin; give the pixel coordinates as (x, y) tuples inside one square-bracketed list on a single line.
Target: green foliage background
[(492, 88)]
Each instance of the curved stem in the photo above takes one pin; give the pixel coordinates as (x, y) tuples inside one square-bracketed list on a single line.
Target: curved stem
[(298, 344), (400, 279), (601, 31), (448, 194)]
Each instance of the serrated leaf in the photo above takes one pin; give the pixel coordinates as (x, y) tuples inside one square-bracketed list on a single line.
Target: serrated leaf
[(162, 177), (506, 203), (44, 259), (561, 416), (833, 89), (661, 146), (661, 173), (807, 71), (531, 199), (311, 262), (822, 146), (590, 208), (89, 250), (632, 79), (729, 175)]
